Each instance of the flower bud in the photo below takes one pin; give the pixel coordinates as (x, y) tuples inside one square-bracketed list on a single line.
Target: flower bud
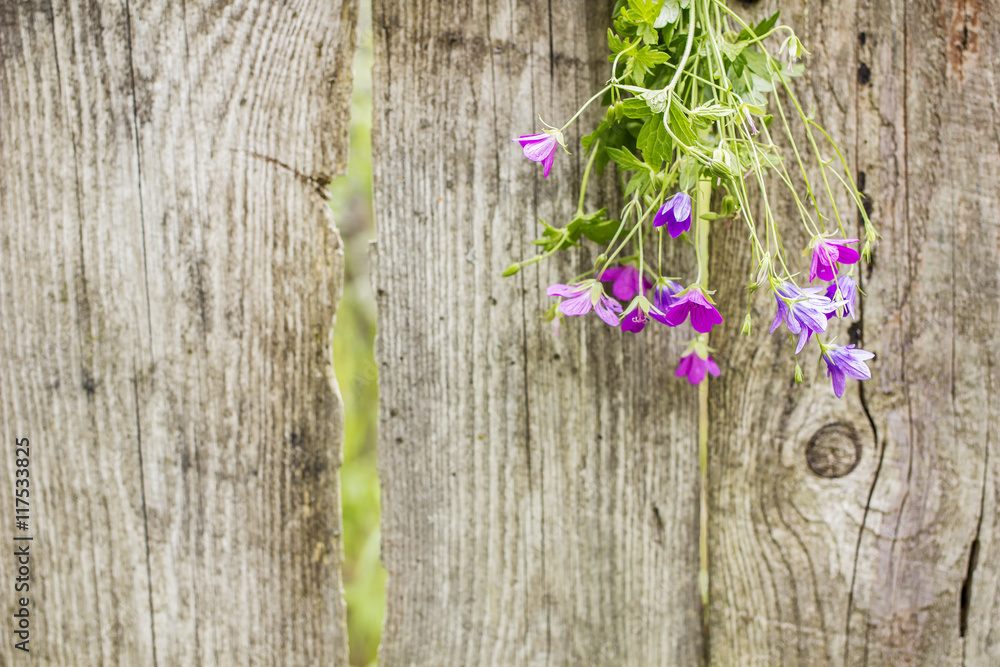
[(511, 270), (745, 329), (798, 373)]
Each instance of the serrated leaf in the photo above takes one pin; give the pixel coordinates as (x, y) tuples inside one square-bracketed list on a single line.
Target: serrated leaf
[(641, 179), (626, 161), (761, 28), (681, 126), (654, 141), (635, 107), (731, 50)]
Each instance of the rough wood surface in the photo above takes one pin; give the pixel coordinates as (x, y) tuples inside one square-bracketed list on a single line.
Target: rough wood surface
[(168, 283), (539, 494), (891, 562)]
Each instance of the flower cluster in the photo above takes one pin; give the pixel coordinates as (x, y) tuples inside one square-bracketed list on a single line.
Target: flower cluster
[(690, 105)]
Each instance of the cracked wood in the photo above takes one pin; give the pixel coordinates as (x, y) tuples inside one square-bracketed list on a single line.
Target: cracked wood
[(540, 494), (895, 562), (166, 307)]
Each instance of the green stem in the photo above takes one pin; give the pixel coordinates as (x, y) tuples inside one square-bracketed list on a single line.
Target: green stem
[(704, 202), (586, 175), (687, 49)]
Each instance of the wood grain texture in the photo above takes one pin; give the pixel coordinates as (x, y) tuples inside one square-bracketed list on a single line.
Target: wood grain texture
[(539, 494), (877, 566), (168, 284)]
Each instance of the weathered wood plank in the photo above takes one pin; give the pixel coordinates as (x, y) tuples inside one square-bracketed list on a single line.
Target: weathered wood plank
[(169, 279), (539, 493), (869, 567), (932, 316)]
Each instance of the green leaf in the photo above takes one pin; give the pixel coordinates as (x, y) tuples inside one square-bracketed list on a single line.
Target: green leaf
[(731, 50), (596, 227), (616, 44), (638, 181), (761, 28), (757, 63), (634, 107), (681, 126), (626, 161), (654, 141), (669, 13)]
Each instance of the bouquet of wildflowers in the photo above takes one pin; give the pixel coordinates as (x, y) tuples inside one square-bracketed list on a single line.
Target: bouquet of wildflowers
[(690, 107)]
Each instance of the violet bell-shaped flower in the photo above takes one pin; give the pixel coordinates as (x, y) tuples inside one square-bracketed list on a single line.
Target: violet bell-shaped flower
[(804, 311), (675, 214), (844, 362), (624, 281), (579, 299), (695, 363), (638, 313), (848, 293), (826, 253), (694, 302), (664, 296), (542, 147)]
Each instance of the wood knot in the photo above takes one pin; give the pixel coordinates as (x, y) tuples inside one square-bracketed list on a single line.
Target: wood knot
[(834, 450)]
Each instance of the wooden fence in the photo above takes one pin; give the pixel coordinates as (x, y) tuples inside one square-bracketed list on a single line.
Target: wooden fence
[(168, 283)]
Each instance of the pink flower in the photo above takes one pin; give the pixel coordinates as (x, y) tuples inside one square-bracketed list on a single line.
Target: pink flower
[(541, 147), (694, 366), (579, 299), (695, 303), (826, 254), (625, 281)]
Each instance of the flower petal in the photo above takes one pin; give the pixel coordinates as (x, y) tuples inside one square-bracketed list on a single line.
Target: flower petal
[(839, 381), (703, 317), (683, 366), (634, 321), (697, 371), (847, 255), (568, 291), (578, 305), (803, 339), (663, 215), (604, 310), (538, 150), (712, 367), (610, 274), (547, 162), (676, 227), (626, 283)]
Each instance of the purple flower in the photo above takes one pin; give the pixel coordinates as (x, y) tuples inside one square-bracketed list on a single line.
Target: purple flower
[(694, 366), (541, 147), (844, 362), (675, 214), (695, 303), (805, 311), (664, 296), (580, 298), (826, 254), (848, 290), (625, 281), (634, 320)]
